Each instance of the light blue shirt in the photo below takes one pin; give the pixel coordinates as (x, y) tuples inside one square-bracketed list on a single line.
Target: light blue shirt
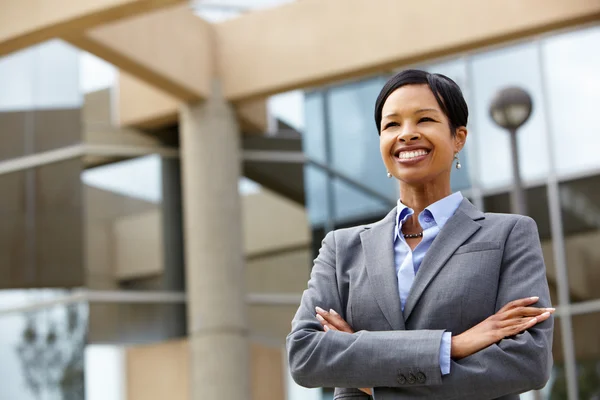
[(432, 219)]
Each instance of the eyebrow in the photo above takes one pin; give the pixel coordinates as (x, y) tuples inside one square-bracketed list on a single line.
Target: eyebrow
[(420, 111)]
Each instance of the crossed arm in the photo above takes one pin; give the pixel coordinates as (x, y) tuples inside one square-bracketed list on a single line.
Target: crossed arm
[(479, 369)]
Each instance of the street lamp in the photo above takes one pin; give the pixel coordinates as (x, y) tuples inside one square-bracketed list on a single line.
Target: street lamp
[(510, 109)]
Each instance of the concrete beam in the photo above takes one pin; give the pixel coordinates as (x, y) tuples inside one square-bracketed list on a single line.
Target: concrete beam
[(170, 49), (25, 23), (143, 106), (313, 42)]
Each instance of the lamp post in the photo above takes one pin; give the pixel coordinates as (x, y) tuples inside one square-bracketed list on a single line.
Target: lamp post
[(510, 109)]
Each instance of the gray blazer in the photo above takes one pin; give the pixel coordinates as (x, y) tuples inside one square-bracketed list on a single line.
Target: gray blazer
[(477, 264)]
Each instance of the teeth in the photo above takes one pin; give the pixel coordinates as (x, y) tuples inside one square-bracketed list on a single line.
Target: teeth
[(406, 155)]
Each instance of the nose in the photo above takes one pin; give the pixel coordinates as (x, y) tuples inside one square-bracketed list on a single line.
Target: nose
[(408, 135)]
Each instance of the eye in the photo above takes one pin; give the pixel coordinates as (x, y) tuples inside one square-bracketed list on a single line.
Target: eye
[(390, 124), (426, 119)]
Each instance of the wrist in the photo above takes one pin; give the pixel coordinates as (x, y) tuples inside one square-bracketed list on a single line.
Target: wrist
[(457, 348)]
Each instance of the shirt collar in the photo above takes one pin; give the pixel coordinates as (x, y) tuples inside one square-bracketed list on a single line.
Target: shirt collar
[(441, 211)]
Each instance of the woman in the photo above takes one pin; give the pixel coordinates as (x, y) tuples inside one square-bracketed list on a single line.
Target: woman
[(432, 301)]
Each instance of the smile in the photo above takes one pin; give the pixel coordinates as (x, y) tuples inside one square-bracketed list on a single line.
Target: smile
[(408, 155), (411, 156)]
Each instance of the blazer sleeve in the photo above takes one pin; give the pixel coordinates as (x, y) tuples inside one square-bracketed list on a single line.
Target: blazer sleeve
[(363, 359), (516, 364)]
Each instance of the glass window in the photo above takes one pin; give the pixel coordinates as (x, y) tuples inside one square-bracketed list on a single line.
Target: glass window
[(315, 186), (457, 71), (41, 351), (313, 139), (353, 204), (490, 72), (587, 353), (573, 88), (42, 77), (41, 235), (353, 134), (580, 199)]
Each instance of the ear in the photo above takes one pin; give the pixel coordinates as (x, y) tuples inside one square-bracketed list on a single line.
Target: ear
[(460, 138)]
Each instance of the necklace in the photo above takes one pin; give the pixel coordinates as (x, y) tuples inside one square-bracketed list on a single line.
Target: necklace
[(412, 235)]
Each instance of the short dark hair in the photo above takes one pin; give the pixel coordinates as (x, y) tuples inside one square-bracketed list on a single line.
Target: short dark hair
[(446, 92)]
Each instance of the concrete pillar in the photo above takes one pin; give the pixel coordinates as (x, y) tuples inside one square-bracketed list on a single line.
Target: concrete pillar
[(215, 273)]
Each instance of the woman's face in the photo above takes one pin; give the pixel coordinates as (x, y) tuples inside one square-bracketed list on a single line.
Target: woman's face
[(415, 142)]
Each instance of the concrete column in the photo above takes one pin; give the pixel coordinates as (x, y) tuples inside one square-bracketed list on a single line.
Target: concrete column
[(215, 273)]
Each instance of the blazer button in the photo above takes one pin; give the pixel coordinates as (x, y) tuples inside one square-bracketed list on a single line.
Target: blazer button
[(401, 379), (412, 379), (421, 378)]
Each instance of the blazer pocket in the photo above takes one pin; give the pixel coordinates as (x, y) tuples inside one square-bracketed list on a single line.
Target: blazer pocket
[(477, 246)]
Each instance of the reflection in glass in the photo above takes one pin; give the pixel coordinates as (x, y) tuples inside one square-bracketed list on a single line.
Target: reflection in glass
[(352, 204), (315, 186), (41, 351), (354, 138), (492, 71), (313, 139), (587, 353), (572, 82), (580, 199)]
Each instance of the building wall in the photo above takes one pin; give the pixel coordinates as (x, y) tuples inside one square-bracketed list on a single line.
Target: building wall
[(161, 371)]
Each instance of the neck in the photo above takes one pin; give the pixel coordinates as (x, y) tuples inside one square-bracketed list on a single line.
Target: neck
[(418, 197)]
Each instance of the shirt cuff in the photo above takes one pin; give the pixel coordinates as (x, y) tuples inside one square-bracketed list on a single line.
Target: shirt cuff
[(445, 353)]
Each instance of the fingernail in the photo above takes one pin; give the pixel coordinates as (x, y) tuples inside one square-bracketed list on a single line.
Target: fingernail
[(534, 298), (320, 310), (326, 328), (550, 309), (332, 311), (320, 318), (546, 314)]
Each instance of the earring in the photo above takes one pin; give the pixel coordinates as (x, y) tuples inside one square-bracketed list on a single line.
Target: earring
[(389, 175), (458, 166)]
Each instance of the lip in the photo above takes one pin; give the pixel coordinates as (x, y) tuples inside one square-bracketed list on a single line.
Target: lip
[(411, 161)]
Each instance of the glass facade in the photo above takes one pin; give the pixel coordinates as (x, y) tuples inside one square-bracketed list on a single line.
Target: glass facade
[(75, 223), (557, 162), (42, 349)]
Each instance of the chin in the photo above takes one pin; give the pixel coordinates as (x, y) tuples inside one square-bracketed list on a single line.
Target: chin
[(413, 177)]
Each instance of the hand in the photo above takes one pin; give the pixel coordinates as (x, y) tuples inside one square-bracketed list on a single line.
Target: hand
[(513, 318), (332, 321)]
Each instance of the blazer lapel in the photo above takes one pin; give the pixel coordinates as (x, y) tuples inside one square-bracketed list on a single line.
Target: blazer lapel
[(378, 247), (455, 232)]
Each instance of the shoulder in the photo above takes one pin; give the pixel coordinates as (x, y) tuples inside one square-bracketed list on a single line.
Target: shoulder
[(347, 235), (510, 220), (509, 226)]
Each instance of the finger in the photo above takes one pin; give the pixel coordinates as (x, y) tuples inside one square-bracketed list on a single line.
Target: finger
[(543, 317), (519, 303), (339, 322), (517, 328), (527, 312), (321, 320), (326, 326), (334, 319), (527, 324)]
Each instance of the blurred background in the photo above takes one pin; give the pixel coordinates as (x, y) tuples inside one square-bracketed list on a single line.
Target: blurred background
[(100, 100)]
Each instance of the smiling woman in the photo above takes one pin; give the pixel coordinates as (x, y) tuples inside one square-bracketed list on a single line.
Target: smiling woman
[(419, 134), (434, 301)]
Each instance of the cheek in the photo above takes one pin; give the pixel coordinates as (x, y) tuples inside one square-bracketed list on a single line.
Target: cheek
[(384, 146)]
